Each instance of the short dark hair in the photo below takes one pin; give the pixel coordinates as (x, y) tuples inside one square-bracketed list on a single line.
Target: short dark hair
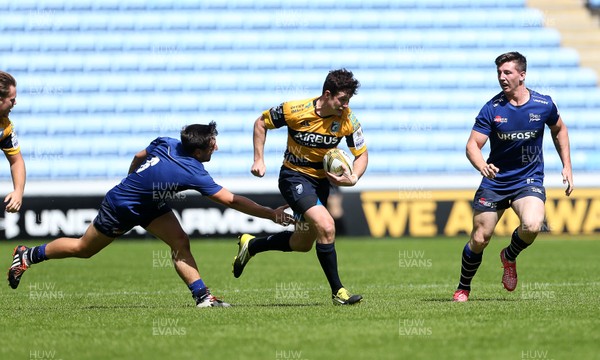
[(340, 80), (198, 136), (6, 81), (513, 56)]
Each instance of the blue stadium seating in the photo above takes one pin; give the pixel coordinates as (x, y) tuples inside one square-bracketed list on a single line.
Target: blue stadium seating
[(99, 79)]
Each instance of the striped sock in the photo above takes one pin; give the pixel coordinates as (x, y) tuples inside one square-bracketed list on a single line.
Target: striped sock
[(470, 264), (516, 246), (198, 289), (37, 254)]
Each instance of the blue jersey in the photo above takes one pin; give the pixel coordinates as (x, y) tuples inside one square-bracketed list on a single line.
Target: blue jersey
[(168, 170), (516, 136)]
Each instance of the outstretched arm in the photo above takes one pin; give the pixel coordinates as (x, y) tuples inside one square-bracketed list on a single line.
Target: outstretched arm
[(560, 137), (17, 171), (259, 138), (247, 206)]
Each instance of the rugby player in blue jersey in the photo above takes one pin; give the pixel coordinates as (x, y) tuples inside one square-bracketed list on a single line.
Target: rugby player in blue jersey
[(166, 167), (314, 126), (9, 142), (513, 175)]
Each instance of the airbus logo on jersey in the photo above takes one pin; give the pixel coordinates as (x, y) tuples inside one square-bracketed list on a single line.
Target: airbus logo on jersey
[(314, 140), (518, 135)]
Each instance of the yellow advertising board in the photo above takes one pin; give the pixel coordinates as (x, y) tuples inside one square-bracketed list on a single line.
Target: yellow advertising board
[(449, 212)]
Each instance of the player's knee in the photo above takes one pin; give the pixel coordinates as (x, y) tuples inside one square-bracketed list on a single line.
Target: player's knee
[(480, 240), (532, 226)]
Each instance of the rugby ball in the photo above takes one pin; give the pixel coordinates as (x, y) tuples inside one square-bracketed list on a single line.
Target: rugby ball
[(333, 160)]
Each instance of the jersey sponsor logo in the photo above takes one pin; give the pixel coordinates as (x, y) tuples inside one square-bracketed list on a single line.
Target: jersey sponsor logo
[(315, 140), (358, 139), (487, 203), (535, 117), (537, 190), (297, 108), (500, 120), (276, 113), (518, 135), (541, 101), (299, 189)]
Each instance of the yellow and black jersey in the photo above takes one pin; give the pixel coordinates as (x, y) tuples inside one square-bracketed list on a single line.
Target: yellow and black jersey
[(8, 139), (310, 136)]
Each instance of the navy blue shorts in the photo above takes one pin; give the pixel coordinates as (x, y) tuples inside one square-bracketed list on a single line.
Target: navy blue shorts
[(490, 200), (116, 221), (301, 191)]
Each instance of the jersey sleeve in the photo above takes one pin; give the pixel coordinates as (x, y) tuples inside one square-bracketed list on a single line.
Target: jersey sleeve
[(10, 143), (274, 117), (355, 140), (483, 121), (205, 184), (554, 114), (154, 144)]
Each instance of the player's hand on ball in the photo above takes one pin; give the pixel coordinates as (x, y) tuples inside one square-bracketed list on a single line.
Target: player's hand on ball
[(258, 168), (489, 171), (345, 179)]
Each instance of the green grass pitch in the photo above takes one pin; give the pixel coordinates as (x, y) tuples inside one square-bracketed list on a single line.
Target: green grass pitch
[(128, 303)]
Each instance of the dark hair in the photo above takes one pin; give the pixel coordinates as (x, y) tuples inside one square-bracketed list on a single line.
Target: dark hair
[(513, 56), (6, 81), (198, 136), (341, 80)]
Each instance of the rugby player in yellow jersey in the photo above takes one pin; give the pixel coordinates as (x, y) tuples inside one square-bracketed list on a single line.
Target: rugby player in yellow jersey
[(9, 142), (314, 125)]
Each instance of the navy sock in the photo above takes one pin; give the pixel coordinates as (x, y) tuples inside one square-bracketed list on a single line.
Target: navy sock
[(37, 254), (279, 241), (198, 289), (328, 259), (516, 246), (470, 264)]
